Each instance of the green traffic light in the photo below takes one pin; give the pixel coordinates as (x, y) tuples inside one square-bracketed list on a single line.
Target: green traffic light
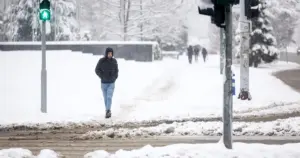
[(45, 15)]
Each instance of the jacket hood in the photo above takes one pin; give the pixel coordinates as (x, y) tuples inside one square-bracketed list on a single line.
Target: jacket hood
[(109, 50)]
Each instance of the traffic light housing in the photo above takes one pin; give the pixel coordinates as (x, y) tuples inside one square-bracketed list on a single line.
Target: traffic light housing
[(217, 13), (225, 2), (251, 8), (45, 14)]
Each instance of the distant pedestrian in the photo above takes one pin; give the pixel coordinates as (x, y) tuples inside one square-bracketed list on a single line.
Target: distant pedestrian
[(204, 54), (190, 54), (196, 52), (107, 70)]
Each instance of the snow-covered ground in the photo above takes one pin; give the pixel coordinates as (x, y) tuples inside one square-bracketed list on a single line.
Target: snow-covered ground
[(240, 150), (286, 127), (168, 89)]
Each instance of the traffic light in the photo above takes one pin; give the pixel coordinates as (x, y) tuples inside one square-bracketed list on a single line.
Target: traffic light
[(217, 14), (45, 14), (251, 8)]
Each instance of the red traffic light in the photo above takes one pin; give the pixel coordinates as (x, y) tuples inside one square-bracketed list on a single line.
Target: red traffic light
[(45, 4)]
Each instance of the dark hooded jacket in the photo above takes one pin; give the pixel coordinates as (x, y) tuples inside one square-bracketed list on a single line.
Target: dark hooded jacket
[(204, 52), (196, 50), (107, 68), (190, 51)]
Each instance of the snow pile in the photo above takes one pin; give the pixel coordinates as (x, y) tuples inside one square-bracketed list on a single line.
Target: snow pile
[(15, 153), (285, 127), (24, 153), (46, 153), (206, 150)]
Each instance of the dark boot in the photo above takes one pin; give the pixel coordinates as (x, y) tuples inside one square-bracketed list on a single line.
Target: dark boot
[(108, 114)]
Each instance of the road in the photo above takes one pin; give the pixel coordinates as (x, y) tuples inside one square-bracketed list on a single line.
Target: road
[(291, 78), (77, 148)]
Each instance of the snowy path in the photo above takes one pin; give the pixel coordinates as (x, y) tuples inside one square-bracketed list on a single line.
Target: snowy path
[(158, 90)]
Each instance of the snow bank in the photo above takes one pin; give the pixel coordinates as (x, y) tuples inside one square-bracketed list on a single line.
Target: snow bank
[(24, 153), (240, 150), (46, 153), (285, 127), (16, 153)]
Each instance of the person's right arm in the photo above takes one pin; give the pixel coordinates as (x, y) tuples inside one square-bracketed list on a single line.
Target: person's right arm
[(98, 69)]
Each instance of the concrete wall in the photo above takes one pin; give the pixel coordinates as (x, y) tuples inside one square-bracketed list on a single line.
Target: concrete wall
[(137, 52)]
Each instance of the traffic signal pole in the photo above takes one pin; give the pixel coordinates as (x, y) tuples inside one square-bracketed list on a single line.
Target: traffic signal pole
[(222, 50), (221, 15), (44, 71), (227, 100), (45, 15), (244, 53)]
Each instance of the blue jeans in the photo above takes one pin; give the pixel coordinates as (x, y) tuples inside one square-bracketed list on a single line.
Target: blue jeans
[(108, 91)]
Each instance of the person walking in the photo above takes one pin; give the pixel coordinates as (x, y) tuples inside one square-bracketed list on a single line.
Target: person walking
[(107, 70), (204, 54), (190, 53), (196, 51)]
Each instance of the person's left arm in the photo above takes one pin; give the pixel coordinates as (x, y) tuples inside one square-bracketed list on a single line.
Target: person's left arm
[(116, 69)]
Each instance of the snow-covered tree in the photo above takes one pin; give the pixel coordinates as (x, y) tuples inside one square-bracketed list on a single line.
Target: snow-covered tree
[(92, 17), (133, 19), (18, 21), (21, 21), (64, 26), (158, 18), (284, 17), (262, 40)]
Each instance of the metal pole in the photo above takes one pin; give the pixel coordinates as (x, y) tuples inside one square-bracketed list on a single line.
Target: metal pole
[(286, 54), (55, 23), (227, 102), (244, 53), (222, 49), (44, 71), (141, 24)]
